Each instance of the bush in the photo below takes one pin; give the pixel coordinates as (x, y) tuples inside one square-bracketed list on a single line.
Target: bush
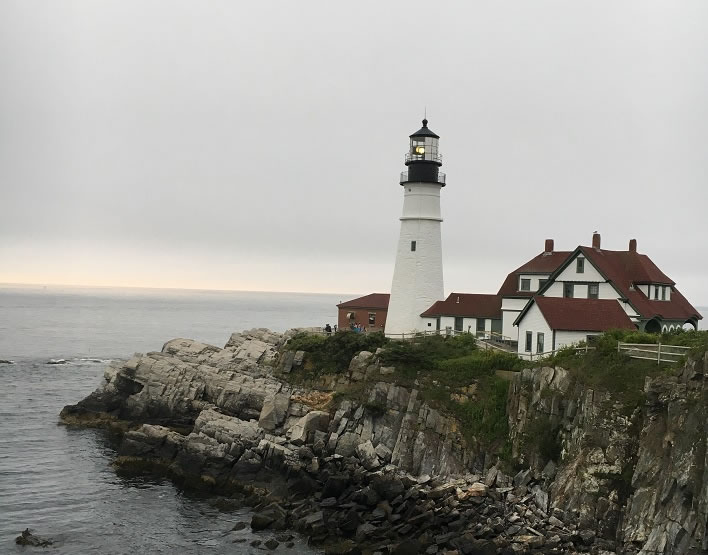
[(466, 369), (484, 419), (333, 353), (424, 353)]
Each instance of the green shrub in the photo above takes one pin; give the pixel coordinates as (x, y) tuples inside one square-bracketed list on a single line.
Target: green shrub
[(484, 420), (424, 353), (333, 353), (465, 370)]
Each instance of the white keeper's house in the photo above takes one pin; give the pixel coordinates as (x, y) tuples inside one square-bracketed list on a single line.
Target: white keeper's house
[(555, 299)]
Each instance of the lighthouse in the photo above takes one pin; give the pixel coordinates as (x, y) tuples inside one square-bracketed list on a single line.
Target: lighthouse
[(418, 275)]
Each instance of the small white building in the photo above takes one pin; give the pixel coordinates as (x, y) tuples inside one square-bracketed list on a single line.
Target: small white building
[(465, 312), (549, 323)]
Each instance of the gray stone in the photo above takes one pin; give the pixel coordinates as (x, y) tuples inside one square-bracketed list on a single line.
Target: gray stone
[(367, 455), (274, 411), (383, 452), (315, 420), (346, 444)]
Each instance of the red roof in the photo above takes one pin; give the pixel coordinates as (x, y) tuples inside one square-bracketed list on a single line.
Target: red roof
[(373, 300), (626, 268), (583, 314), (544, 263), (467, 304)]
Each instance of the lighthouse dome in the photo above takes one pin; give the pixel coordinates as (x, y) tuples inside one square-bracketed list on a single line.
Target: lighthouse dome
[(424, 131)]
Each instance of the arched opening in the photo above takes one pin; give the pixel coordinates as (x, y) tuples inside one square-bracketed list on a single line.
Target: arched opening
[(664, 328), (652, 326), (690, 325), (671, 328)]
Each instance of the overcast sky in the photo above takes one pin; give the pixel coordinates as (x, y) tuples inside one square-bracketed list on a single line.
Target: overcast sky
[(257, 145)]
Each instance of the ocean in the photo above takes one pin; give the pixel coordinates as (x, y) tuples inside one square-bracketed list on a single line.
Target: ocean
[(58, 481)]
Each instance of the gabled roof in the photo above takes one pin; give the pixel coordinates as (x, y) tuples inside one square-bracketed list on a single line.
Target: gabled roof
[(373, 300), (580, 314), (544, 263), (466, 304), (624, 269)]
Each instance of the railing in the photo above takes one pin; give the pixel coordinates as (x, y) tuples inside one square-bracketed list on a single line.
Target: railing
[(404, 177), (427, 157), (658, 352), (447, 332), (538, 356)]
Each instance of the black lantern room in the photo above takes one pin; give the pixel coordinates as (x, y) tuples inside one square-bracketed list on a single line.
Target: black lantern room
[(423, 159)]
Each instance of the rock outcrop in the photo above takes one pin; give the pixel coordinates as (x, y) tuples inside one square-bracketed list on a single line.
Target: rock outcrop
[(383, 470), (637, 476)]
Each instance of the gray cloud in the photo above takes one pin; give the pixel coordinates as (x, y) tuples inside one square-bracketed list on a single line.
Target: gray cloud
[(262, 141)]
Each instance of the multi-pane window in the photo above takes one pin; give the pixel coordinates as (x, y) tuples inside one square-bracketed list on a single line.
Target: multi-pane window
[(568, 289), (372, 318), (593, 290), (541, 283), (656, 293), (413, 246), (458, 323), (663, 292), (481, 324), (539, 343), (580, 265), (529, 341), (525, 285)]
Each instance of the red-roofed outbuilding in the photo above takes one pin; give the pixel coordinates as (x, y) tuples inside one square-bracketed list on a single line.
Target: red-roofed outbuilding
[(369, 311)]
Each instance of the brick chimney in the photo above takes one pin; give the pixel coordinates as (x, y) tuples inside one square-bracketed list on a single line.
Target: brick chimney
[(596, 241), (548, 247), (632, 245)]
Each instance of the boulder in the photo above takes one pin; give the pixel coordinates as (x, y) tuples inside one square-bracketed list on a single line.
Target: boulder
[(28, 538), (384, 453), (367, 455), (346, 444), (274, 411), (315, 420)]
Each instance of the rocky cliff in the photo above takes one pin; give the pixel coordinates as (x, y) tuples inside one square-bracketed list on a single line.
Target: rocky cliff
[(636, 475), (385, 471)]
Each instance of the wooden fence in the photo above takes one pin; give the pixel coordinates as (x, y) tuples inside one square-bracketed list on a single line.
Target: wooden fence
[(658, 352)]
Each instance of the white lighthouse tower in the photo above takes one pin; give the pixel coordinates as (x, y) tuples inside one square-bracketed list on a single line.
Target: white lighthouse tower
[(418, 275)]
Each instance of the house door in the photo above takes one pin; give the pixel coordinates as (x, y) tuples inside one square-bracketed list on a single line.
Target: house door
[(437, 323), (458, 323)]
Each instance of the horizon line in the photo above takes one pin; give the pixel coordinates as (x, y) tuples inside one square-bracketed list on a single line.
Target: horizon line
[(218, 290)]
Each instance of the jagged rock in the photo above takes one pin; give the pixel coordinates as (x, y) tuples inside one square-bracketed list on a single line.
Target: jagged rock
[(407, 547), (346, 444), (383, 452), (29, 539), (315, 420), (367, 455), (271, 543), (274, 411)]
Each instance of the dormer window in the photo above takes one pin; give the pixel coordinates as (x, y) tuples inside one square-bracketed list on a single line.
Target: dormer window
[(656, 292), (580, 265), (663, 293), (525, 285)]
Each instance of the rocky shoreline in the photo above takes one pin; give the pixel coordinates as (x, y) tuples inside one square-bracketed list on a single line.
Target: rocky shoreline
[(385, 473)]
